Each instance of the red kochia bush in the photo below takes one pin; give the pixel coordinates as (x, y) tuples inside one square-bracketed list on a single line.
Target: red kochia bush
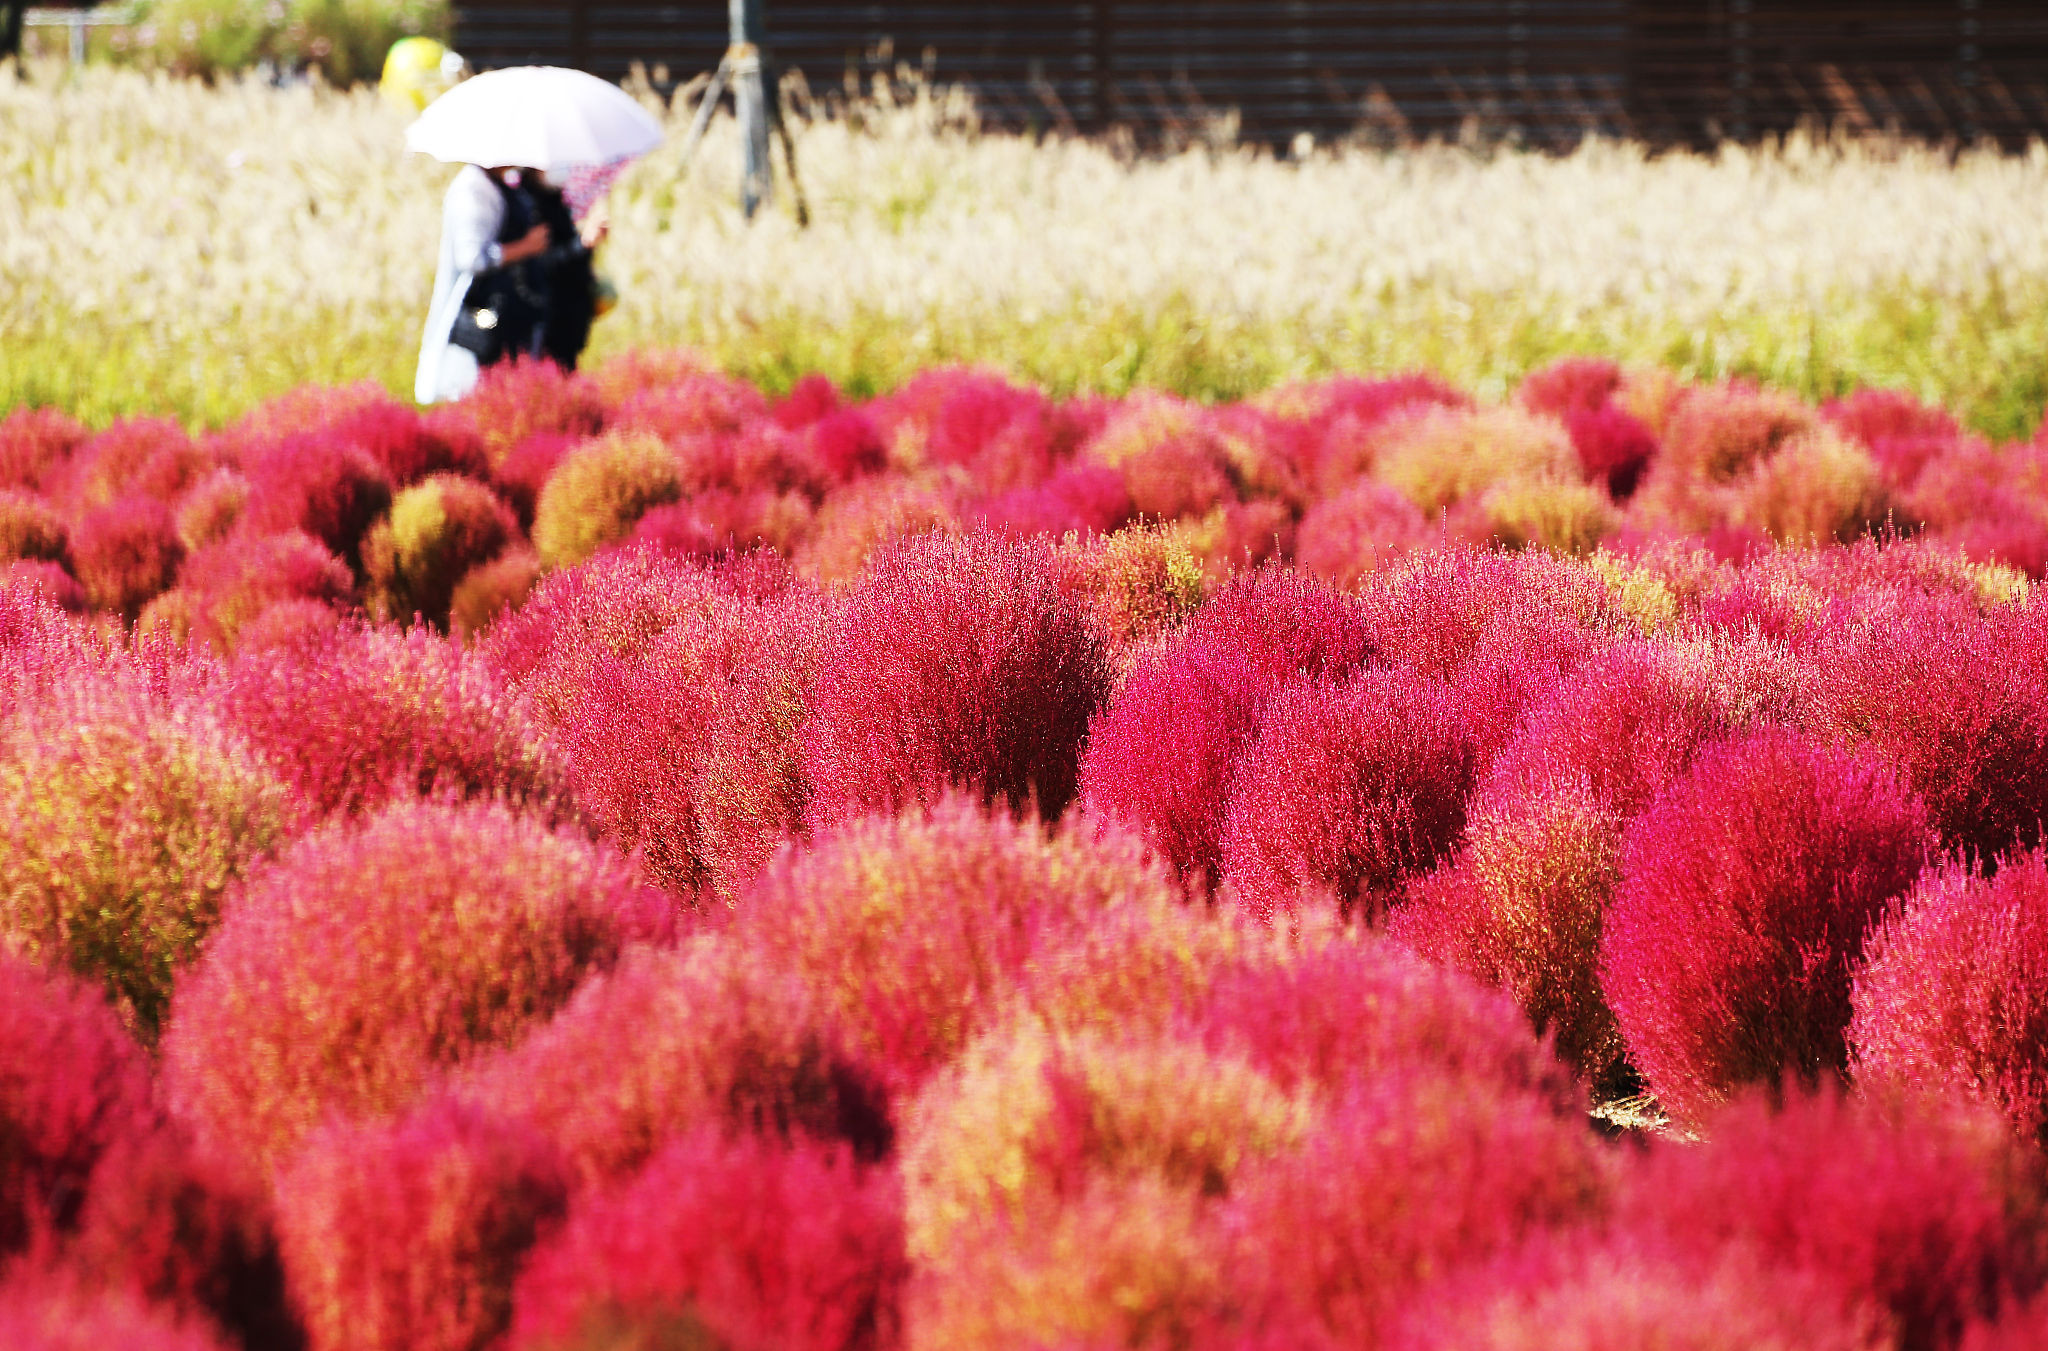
[(812, 397), (689, 751), (125, 553), (518, 399), (762, 1244), (1625, 724), (615, 606), (190, 1230), (1162, 756), (1953, 992), (408, 1236), (1876, 415), (1286, 626), (526, 469), (1349, 787), (1744, 897), (1360, 1011), (954, 663), (34, 442), (845, 444), (1570, 385), (1522, 907), (1503, 628), (136, 457), (73, 1084), (1613, 447), (318, 483), (1360, 530), (230, 583), (1913, 1209), (411, 446), (1959, 703), (359, 714), (375, 953)]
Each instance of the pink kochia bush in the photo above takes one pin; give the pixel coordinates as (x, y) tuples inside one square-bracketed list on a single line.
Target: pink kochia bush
[(1524, 903), (191, 1230), (1621, 1295), (1918, 1211), (1410, 1173), (320, 484), (753, 1242), (706, 1034), (953, 663), (1952, 995), (1361, 1010), (407, 1236), (1163, 754), (55, 1311), (378, 952), (1350, 788), (360, 714), (125, 553), (1959, 703), (1745, 893)]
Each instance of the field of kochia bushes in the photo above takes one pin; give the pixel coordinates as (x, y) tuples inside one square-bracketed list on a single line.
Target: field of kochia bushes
[(626, 862)]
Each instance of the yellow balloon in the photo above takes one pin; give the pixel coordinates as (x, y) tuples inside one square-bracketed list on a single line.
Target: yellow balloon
[(417, 71)]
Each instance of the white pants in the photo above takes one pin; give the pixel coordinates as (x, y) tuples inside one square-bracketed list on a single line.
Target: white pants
[(455, 374)]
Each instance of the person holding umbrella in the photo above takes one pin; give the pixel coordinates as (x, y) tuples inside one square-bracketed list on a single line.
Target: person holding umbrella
[(514, 272)]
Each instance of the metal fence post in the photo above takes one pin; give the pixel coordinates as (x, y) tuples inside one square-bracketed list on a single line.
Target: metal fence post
[(750, 95)]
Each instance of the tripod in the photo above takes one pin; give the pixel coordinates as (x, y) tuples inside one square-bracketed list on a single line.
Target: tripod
[(759, 106)]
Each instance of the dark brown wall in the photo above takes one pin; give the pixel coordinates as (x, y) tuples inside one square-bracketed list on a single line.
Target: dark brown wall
[(1547, 70)]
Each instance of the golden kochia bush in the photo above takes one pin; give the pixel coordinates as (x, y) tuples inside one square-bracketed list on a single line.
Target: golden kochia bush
[(1440, 456), (922, 931), (124, 821), (597, 493), (1030, 1115)]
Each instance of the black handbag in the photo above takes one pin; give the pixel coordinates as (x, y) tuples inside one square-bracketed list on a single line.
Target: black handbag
[(481, 325), (498, 318)]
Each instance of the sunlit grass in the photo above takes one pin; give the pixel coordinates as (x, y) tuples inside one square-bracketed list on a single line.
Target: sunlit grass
[(170, 247)]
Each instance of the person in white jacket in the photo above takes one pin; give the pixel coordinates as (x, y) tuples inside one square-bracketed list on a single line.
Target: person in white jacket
[(472, 217)]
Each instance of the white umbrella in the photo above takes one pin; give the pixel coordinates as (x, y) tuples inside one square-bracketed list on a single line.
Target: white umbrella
[(534, 117)]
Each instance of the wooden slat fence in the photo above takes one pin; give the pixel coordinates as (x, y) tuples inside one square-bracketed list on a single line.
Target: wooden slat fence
[(1546, 71)]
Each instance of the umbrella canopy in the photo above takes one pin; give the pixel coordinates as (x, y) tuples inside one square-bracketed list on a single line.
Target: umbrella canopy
[(534, 117)]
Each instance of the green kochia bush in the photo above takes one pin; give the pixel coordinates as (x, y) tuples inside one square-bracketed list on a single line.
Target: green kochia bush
[(346, 39), (437, 531)]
